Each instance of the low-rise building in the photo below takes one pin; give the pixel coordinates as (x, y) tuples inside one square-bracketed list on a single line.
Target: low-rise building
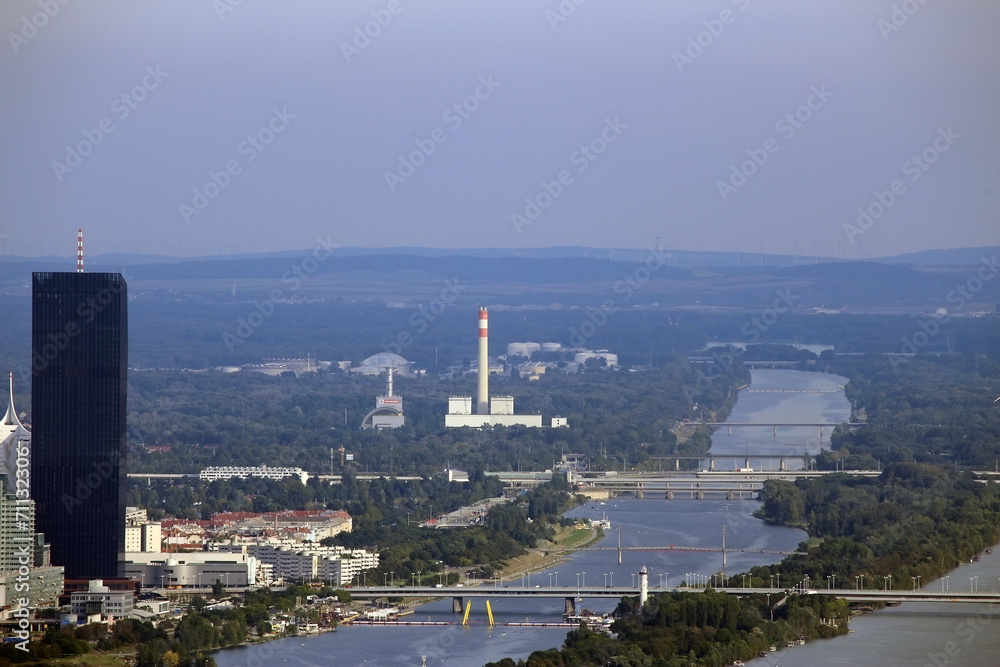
[(99, 599), (190, 570)]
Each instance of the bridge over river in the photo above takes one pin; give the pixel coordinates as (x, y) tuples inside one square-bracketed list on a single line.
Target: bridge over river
[(571, 594), (732, 484)]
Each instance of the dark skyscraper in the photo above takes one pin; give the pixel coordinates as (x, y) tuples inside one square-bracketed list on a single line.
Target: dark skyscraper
[(79, 358)]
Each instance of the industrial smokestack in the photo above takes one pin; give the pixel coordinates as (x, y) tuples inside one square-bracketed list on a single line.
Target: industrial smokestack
[(483, 402)]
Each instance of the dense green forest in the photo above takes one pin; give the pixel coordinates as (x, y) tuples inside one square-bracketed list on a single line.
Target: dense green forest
[(251, 419), (931, 408), (916, 520)]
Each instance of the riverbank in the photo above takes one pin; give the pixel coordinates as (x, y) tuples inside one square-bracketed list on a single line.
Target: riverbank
[(568, 540)]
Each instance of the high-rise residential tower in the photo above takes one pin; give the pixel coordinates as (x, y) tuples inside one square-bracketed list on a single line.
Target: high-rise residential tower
[(79, 358)]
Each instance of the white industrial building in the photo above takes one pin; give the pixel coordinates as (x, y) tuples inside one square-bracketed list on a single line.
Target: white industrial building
[(190, 570), (388, 411), (610, 358), (213, 473), (526, 349), (279, 366)]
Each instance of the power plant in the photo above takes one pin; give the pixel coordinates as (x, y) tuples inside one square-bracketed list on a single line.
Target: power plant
[(490, 411)]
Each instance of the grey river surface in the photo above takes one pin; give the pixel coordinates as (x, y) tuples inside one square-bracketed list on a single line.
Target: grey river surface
[(906, 635)]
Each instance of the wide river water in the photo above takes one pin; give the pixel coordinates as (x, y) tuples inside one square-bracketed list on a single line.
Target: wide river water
[(906, 635)]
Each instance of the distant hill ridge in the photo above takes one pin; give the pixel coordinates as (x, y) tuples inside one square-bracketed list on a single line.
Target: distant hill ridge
[(678, 258)]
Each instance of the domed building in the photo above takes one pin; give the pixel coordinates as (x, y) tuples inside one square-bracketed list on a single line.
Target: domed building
[(377, 363)]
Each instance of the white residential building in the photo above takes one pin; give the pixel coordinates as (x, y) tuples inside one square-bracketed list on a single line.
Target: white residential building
[(310, 563)]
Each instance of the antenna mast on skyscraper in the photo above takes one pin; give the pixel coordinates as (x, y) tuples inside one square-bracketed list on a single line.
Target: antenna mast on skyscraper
[(79, 250)]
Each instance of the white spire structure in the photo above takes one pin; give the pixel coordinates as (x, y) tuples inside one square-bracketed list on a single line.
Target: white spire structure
[(13, 436), (10, 419)]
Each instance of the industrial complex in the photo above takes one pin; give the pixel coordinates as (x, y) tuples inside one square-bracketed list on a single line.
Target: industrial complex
[(490, 411)]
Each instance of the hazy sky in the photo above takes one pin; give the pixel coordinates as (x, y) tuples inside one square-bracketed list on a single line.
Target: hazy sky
[(708, 124)]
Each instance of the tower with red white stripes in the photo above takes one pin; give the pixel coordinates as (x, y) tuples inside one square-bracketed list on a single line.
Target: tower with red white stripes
[(79, 250), (483, 398)]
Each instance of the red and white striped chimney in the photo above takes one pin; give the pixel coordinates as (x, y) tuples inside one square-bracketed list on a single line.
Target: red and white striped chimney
[(79, 250), (483, 400)]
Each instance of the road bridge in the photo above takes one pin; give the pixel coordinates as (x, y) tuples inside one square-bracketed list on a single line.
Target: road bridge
[(571, 594), (875, 595), (458, 594), (734, 485)]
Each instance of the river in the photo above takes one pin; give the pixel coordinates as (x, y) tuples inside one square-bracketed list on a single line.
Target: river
[(903, 635)]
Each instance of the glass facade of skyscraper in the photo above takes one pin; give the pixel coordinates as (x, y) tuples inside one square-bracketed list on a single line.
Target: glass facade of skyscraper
[(79, 356)]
